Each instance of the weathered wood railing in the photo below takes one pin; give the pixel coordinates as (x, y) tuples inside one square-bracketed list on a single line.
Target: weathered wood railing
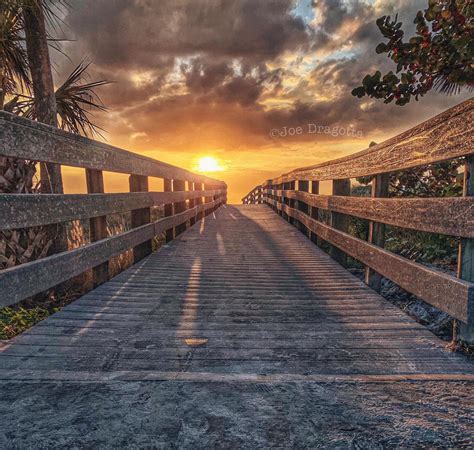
[(255, 196), (24, 139), (295, 196)]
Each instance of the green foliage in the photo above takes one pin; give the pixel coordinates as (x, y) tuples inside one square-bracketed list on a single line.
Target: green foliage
[(440, 55), (76, 98), (421, 246), (15, 320), (436, 180)]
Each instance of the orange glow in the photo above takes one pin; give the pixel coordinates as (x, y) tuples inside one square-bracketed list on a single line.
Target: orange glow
[(208, 164)]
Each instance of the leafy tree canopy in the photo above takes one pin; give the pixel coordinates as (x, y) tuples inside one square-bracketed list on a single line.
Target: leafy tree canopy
[(439, 56)]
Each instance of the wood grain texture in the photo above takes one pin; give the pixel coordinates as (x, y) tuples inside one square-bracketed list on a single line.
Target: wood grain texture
[(26, 280), (380, 188), (179, 207), (98, 224), (28, 210), (446, 292), (338, 220), (26, 139), (139, 217), (202, 307), (465, 332), (445, 215), (443, 137), (192, 202)]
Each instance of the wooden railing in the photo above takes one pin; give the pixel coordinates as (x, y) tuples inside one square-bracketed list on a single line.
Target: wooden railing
[(295, 196), (28, 140), (255, 196)]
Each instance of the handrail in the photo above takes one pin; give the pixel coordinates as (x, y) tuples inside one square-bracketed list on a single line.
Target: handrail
[(443, 137), (188, 197), (295, 196), (26, 139), (255, 196)]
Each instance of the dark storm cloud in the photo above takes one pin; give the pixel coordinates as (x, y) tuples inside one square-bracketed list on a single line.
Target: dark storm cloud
[(136, 32), (229, 82), (225, 58)]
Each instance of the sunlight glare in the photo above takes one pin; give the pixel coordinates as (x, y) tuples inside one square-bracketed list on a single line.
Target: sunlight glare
[(208, 164)]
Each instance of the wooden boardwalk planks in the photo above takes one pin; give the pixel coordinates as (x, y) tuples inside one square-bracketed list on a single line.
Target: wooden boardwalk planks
[(240, 333), (240, 293)]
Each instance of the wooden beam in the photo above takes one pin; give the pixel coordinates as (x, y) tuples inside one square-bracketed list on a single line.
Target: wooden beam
[(192, 203), (465, 331), (338, 220), (98, 225), (26, 139), (179, 207), (199, 201), (303, 186), (448, 293), (441, 138), (208, 199), (168, 209), (380, 185), (446, 215), (314, 213), (142, 216), (31, 210), (26, 280)]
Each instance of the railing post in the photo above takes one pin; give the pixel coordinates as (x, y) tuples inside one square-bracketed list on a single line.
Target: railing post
[(192, 202), (199, 187), (338, 220), (142, 216), (208, 187), (380, 185), (303, 186), (98, 225), (179, 207), (313, 210), (168, 210), (465, 332)]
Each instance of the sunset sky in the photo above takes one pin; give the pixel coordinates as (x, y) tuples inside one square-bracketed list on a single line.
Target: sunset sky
[(197, 78)]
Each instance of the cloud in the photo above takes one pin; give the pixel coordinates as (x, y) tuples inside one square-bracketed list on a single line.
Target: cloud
[(219, 73)]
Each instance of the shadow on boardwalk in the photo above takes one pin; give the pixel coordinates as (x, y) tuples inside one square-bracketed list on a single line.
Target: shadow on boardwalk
[(241, 333)]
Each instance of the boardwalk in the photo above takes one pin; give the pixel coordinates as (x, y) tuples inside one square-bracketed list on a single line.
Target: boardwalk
[(239, 333)]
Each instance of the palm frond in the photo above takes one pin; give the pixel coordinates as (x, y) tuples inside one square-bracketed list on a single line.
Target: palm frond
[(442, 84), (76, 100), (13, 57)]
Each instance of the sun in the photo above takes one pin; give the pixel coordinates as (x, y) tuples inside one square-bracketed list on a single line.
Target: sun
[(208, 164)]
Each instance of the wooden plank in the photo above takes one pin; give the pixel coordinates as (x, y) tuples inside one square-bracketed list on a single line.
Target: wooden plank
[(199, 200), (465, 332), (445, 215), (179, 207), (443, 137), (446, 292), (26, 280), (204, 304), (142, 216), (30, 210), (207, 199), (314, 213), (255, 196), (25, 139), (98, 225), (192, 202), (168, 187), (338, 220), (303, 186), (380, 186)]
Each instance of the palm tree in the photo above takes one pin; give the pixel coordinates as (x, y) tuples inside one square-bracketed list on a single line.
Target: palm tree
[(26, 89)]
